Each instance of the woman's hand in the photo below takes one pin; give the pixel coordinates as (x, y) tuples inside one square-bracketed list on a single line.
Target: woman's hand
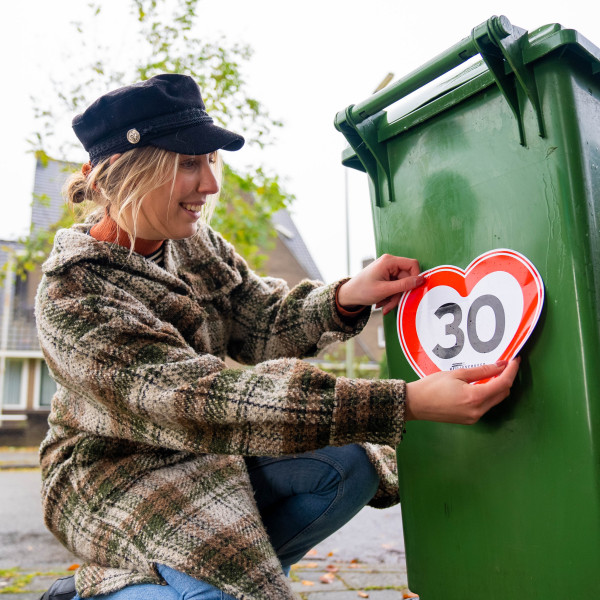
[(448, 397), (382, 283)]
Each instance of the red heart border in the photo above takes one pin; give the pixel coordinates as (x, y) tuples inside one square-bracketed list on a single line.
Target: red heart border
[(463, 282)]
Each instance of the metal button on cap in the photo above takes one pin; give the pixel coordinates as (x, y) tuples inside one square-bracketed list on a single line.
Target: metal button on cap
[(133, 136)]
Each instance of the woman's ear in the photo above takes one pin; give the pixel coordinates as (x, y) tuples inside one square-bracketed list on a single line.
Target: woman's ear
[(113, 158)]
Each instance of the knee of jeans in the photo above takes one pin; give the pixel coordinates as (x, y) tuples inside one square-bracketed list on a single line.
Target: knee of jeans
[(360, 474)]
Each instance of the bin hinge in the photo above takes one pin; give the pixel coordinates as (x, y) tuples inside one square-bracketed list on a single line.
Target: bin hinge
[(500, 44), (370, 152)]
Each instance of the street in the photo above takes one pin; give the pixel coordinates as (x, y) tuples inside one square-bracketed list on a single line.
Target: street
[(24, 540)]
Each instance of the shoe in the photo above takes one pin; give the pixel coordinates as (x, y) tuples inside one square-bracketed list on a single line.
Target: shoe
[(61, 589)]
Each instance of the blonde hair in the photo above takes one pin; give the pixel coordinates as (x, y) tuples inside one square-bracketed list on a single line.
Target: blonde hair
[(126, 181)]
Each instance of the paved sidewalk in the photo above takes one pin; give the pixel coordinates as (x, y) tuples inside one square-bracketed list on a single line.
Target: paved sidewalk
[(17, 584), (311, 579), (18, 458), (324, 580)]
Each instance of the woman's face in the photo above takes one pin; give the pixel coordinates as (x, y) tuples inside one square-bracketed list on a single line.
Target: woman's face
[(172, 210)]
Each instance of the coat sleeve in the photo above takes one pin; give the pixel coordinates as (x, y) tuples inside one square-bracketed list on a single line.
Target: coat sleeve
[(123, 373), (271, 321)]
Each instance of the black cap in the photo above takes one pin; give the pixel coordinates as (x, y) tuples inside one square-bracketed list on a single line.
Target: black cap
[(165, 111)]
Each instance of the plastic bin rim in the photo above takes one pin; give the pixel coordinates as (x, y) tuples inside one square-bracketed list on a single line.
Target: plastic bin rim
[(540, 42)]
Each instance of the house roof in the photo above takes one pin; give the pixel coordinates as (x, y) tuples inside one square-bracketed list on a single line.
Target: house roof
[(290, 236), (47, 188)]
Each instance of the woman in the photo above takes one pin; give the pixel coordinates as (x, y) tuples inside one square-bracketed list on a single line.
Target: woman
[(168, 473)]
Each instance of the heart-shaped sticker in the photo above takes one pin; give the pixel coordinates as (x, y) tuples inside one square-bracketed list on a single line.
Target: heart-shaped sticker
[(468, 318)]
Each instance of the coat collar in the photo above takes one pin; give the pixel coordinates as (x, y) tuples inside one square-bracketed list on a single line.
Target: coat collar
[(202, 265)]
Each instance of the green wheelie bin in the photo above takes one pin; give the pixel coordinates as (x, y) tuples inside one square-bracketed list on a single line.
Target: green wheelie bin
[(495, 144)]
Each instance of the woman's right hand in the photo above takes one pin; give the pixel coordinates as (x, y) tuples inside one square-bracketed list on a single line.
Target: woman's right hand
[(449, 397)]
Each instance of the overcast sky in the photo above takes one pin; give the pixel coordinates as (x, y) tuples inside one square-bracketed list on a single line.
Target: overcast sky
[(311, 59)]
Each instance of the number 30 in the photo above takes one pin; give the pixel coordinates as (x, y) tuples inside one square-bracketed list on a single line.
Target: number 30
[(453, 328)]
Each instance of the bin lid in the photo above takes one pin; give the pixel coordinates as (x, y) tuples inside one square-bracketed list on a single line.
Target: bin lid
[(470, 78), (465, 82)]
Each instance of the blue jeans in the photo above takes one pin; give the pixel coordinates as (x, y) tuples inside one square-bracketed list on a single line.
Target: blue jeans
[(302, 499)]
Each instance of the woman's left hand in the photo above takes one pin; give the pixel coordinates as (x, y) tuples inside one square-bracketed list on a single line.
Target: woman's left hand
[(381, 283)]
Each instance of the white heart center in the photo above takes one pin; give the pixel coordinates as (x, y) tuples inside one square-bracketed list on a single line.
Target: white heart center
[(458, 332)]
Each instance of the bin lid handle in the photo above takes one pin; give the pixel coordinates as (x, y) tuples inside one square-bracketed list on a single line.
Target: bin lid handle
[(501, 47)]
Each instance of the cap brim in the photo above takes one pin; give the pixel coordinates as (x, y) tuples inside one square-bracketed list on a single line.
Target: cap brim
[(199, 139)]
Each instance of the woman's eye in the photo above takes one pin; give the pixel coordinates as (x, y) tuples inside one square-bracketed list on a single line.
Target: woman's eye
[(188, 164)]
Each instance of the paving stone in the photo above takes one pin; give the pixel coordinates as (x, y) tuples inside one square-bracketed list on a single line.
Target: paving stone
[(353, 595), (41, 583), (299, 587), (374, 579), (33, 589), (362, 568)]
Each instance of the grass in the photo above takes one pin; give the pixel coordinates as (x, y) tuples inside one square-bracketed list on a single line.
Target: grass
[(17, 581)]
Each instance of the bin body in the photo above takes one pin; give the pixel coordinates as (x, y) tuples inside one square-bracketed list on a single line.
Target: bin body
[(509, 507)]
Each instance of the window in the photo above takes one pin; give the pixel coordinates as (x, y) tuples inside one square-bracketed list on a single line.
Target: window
[(47, 385), (14, 387)]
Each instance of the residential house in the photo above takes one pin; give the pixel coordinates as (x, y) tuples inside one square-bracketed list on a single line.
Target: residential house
[(26, 387)]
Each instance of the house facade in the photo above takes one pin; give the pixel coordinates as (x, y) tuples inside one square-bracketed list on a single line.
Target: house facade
[(26, 387)]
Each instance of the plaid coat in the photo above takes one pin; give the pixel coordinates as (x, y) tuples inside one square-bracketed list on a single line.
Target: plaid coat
[(143, 461)]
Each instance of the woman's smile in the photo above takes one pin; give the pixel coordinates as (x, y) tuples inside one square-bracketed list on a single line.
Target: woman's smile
[(193, 209)]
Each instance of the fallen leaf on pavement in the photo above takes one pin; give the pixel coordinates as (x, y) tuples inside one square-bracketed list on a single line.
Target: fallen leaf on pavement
[(363, 595), (73, 567), (331, 568), (312, 552), (307, 582), (327, 578), (330, 554), (410, 595)]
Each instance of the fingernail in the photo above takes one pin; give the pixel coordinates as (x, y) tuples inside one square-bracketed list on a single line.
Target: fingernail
[(501, 363), (419, 280)]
